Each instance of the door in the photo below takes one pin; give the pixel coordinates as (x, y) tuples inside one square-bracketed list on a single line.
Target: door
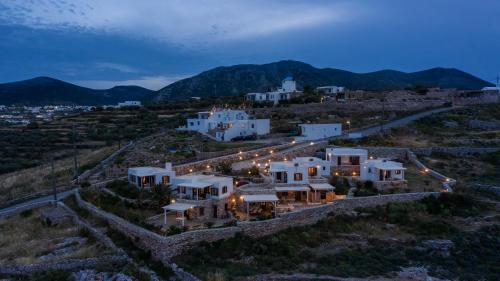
[(215, 211), (298, 195)]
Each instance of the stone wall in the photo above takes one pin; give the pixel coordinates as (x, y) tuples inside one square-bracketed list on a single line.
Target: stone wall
[(456, 150), (314, 214), (69, 264), (202, 165), (164, 248)]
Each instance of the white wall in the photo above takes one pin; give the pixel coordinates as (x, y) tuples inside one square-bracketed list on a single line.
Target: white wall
[(319, 131)]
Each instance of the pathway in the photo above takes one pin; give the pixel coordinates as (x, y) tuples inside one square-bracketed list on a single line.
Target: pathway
[(40, 201)]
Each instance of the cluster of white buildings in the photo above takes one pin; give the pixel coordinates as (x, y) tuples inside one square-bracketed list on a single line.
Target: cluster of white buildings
[(227, 124), (287, 90), (302, 180)]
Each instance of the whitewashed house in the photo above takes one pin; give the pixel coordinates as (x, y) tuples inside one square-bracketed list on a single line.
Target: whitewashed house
[(147, 177), (319, 131), (355, 163), (302, 180), (330, 90), (287, 90), (382, 170), (129, 103), (200, 197), (346, 162), (227, 124)]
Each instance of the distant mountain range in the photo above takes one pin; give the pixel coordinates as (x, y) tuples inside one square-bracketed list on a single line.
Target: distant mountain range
[(46, 90), (232, 81), (244, 78)]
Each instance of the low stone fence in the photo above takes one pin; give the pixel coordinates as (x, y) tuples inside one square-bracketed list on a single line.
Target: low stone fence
[(202, 165), (68, 264), (456, 150), (314, 214), (85, 175), (164, 248), (448, 182)]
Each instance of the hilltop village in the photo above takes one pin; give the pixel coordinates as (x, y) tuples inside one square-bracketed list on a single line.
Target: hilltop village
[(278, 185)]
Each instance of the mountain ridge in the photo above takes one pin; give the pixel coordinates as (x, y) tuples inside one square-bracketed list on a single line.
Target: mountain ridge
[(43, 90), (244, 78)]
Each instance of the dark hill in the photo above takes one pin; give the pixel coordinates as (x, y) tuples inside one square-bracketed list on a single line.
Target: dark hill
[(46, 90), (244, 78)]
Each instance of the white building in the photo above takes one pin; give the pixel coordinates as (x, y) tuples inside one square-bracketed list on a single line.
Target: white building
[(491, 89), (346, 161), (203, 187), (227, 124), (330, 90), (299, 171), (382, 170), (287, 90), (355, 163), (129, 103), (302, 180), (319, 131), (147, 177), (200, 197)]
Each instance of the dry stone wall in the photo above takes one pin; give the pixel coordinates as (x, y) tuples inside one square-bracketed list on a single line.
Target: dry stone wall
[(313, 215), (164, 248)]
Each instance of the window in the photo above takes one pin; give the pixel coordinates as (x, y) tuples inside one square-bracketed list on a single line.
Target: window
[(253, 126), (323, 195), (182, 189), (132, 178), (297, 177), (165, 180), (224, 189), (191, 123), (324, 168), (226, 207), (214, 191), (370, 170), (202, 211), (397, 172), (198, 122)]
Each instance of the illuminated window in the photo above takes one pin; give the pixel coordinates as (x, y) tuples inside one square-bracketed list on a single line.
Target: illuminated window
[(297, 176)]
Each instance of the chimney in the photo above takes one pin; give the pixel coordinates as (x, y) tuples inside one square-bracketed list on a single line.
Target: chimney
[(168, 166)]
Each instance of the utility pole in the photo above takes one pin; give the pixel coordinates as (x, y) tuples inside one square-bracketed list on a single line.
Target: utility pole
[(75, 163), (53, 177)]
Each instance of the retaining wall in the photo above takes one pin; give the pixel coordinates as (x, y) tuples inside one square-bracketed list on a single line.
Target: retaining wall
[(70, 264), (164, 248), (313, 215)]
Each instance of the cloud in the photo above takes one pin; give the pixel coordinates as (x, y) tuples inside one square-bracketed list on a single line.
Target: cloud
[(116, 67), (148, 82), (185, 22)]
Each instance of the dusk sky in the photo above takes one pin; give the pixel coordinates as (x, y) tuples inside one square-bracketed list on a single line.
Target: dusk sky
[(151, 43)]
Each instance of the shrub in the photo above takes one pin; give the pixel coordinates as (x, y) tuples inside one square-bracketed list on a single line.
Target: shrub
[(123, 188), (26, 213), (51, 275)]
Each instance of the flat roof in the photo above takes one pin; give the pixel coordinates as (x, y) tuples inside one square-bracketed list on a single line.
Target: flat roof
[(387, 165), (291, 188), (180, 207), (147, 171), (195, 184), (321, 186), (260, 198), (347, 151)]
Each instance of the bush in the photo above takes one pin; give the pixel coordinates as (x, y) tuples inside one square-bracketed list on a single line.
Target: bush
[(26, 213), (341, 185), (172, 230), (123, 188), (51, 275)]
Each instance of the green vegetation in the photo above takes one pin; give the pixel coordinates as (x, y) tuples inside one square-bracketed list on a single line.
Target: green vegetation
[(328, 247), (135, 213)]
